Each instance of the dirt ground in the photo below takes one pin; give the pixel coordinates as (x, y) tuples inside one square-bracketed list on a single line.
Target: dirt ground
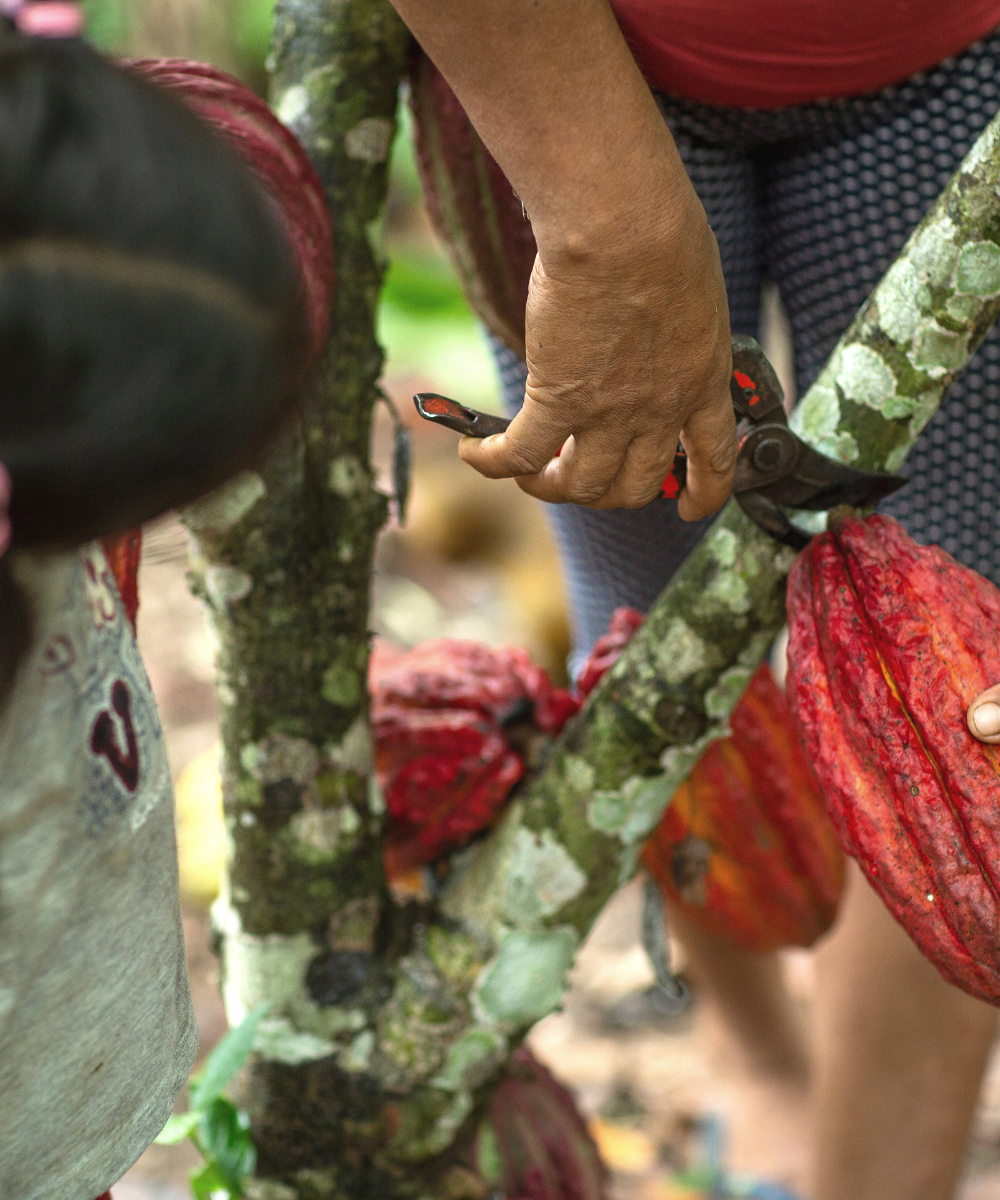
[(477, 563)]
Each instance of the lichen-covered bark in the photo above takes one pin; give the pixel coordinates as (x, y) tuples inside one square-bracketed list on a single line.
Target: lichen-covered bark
[(282, 557)]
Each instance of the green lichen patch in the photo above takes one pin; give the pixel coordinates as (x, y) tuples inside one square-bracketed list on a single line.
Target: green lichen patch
[(472, 1059), (540, 879), (903, 299), (817, 420), (681, 653), (428, 1123), (279, 757), (865, 377), (978, 269), (936, 351), (525, 982), (721, 699), (416, 1025)]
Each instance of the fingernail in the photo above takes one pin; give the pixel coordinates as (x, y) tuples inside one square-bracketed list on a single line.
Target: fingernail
[(986, 719)]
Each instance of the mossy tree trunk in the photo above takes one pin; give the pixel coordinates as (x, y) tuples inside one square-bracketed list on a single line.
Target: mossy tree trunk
[(387, 1025), (283, 560)]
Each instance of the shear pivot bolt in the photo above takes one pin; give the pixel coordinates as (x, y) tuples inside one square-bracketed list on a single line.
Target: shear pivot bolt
[(767, 454)]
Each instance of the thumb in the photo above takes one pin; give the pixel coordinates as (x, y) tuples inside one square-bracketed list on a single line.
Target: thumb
[(709, 437), (983, 717)]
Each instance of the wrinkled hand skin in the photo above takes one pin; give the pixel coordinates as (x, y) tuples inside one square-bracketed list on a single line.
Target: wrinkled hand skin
[(628, 347), (980, 723)]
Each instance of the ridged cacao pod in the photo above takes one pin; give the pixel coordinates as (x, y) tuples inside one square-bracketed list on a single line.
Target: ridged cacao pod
[(890, 643), (440, 715), (745, 848), (533, 1143), (472, 206)]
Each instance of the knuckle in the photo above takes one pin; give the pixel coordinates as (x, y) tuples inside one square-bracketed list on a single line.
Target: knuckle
[(722, 461), (523, 462), (639, 495), (585, 493)]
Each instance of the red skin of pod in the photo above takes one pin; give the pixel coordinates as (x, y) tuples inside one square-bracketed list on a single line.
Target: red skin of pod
[(607, 649), (890, 643), (446, 773), (442, 758), (277, 159), (768, 871), (472, 206), (546, 1151), (447, 673)]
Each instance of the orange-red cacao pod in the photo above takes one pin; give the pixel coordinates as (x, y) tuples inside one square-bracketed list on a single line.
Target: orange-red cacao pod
[(472, 206), (890, 643), (745, 848)]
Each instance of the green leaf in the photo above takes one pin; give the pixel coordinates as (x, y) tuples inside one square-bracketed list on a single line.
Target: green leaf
[(226, 1059), (178, 1128), (208, 1184), (224, 1138)]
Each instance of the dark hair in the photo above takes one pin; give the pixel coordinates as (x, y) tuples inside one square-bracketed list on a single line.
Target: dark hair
[(151, 330)]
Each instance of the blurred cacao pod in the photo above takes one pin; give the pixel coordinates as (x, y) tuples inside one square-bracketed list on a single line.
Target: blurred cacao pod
[(745, 848), (472, 206), (890, 643), (442, 715), (533, 1143), (607, 649)]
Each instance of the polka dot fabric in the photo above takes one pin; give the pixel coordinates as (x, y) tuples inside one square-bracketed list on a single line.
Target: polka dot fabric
[(821, 199)]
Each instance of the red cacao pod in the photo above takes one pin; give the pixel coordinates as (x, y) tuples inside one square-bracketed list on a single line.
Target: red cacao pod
[(472, 206), (745, 848), (890, 643), (607, 649), (441, 751), (275, 156), (445, 774), (493, 680), (533, 1142)]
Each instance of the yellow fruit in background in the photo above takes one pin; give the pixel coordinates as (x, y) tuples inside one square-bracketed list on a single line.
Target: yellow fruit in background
[(201, 830), (629, 1151)]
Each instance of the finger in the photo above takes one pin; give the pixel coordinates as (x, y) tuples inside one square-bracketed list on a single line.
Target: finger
[(532, 439), (709, 438), (640, 479), (553, 483), (983, 717)]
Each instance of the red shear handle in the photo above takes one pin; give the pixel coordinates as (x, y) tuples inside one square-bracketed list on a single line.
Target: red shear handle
[(674, 483)]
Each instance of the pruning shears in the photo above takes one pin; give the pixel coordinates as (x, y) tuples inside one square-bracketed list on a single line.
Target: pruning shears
[(775, 468)]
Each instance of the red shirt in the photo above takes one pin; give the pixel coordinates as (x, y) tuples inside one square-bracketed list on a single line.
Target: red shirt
[(774, 53)]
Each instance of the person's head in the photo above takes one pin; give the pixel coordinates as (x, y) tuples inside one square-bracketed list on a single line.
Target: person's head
[(153, 323)]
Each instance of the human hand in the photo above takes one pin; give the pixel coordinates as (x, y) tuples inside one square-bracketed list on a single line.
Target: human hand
[(628, 347), (983, 717)]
